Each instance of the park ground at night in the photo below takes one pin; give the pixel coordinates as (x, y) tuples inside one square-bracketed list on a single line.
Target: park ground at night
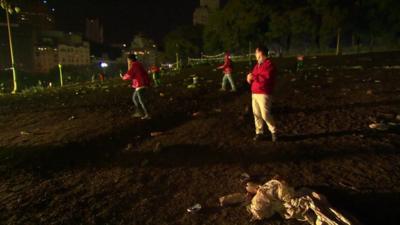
[(76, 156)]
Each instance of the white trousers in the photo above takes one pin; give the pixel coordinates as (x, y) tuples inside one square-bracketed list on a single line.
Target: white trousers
[(262, 113)]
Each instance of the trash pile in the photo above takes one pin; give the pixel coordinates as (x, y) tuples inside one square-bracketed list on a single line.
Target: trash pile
[(385, 121), (276, 197), (195, 81)]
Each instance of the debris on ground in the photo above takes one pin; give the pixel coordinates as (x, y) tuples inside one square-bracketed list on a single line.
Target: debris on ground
[(384, 126), (379, 126), (156, 134), (157, 147), (276, 197), (25, 133), (197, 207), (232, 199), (71, 118), (128, 147), (197, 114)]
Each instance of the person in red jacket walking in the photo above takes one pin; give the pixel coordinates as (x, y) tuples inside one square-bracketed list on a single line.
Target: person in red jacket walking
[(156, 73), (140, 82), (262, 81), (227, 70)]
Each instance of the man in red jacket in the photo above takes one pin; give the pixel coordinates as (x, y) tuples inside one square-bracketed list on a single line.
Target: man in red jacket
[(227, 70), (140, 82), (262, 81)]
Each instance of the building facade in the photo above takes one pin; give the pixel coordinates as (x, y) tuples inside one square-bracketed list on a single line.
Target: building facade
[(94, 31), (56, 47)]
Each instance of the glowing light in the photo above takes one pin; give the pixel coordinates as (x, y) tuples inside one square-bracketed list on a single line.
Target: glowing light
[(103, 65)]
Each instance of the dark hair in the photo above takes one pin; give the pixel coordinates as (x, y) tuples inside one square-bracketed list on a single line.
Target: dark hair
[(263, 49), (132, 57)]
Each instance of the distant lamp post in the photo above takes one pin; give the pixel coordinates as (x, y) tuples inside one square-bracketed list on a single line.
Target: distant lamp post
[(10, 10), (61, 75), (177, 57)]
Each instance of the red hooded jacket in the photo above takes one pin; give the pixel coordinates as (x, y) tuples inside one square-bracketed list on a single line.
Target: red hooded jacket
[(227, 67), (138, 75), (264, 75)]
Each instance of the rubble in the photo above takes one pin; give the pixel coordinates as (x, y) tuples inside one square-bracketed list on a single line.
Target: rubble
[(194, 209), (379, 126), (232, 199), (277, 197), (25, 133), (156, 134)]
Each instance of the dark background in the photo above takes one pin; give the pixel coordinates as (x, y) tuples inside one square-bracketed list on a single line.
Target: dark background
[(123, 19)]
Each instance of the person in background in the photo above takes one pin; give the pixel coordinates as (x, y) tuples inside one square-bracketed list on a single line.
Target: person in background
[(140, 82), (262, 81), (102, 77), (156, 74), (300, 63), (227, 70)]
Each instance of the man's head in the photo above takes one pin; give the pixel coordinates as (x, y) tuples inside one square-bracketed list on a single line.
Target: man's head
[(131, 58), (261, 53)]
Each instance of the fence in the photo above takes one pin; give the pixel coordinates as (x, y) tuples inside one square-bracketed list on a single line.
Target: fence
[(206, 59)]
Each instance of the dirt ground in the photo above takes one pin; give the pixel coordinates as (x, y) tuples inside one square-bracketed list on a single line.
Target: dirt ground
[(76, 156)]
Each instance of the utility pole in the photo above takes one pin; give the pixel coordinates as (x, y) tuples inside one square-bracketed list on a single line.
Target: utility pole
[(9, 10), (61, 75)]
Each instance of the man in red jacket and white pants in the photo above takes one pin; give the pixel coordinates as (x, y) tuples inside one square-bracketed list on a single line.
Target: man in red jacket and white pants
[(262, 81), (140, 82), (227, 69)]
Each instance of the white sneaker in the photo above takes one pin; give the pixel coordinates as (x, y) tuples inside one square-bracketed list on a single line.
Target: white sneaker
[(137, 115), (146, 117)]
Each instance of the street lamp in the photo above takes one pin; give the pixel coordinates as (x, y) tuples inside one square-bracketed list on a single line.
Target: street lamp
[(10, 10)]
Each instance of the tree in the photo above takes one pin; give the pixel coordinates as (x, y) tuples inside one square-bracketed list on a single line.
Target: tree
[(185, 40), (237, 23), (140, 42), (335, 19)]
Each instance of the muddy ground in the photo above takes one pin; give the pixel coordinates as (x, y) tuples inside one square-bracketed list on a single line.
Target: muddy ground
[(75, 156)]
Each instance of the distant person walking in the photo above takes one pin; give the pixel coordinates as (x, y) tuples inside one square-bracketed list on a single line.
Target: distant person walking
[(140, 82), (227, 70), (156, 74), (300, 63), (262, 81)]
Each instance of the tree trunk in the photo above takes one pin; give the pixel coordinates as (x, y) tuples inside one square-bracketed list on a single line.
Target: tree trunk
[(288, 43), (318, 42), (371, 43)]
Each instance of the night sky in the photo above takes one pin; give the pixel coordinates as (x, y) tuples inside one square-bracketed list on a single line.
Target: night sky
[(122, 19)]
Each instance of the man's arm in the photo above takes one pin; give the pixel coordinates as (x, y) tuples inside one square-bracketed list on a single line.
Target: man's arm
[(250, 76), (222, 67), (130, 74)]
